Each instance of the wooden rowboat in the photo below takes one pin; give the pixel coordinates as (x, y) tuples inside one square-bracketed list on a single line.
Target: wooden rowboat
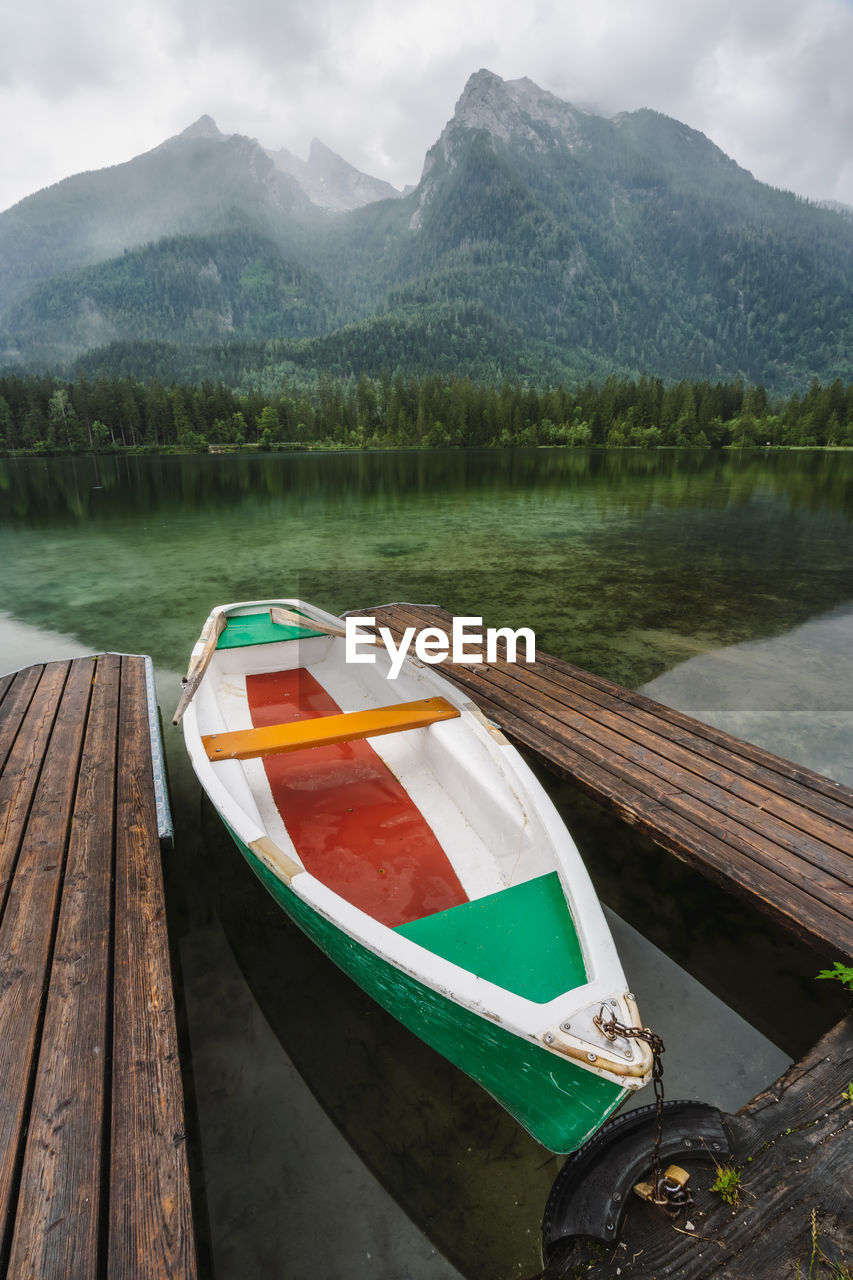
[(403, 833)]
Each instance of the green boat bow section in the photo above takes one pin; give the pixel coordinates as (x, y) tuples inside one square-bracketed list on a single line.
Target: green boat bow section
[(558, 1102), (522, 939), (258, 628)]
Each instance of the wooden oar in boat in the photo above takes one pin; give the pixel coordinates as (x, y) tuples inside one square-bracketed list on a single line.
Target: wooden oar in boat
[(199, 665), (280, 617), (287, 618)]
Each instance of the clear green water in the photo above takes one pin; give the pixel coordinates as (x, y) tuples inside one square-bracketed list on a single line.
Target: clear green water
[(626, 562), (636, 566)]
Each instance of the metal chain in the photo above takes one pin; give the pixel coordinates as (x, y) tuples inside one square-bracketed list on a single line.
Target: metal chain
[(657, 1083), (668, 1193)]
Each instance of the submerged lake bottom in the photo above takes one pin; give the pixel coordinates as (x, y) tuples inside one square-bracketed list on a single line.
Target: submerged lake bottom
[(326, 1140)]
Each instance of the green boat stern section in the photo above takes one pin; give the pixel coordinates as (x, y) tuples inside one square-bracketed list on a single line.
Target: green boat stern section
[(522, 939), (258, 628)]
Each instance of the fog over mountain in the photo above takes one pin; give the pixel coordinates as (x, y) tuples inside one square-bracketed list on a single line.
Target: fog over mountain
[(542, 241), (329, 181)]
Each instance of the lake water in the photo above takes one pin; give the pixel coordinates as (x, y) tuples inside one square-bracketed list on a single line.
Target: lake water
[(328, 1141)]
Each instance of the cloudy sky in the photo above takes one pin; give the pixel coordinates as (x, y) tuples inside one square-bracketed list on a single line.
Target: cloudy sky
[(88, 83)]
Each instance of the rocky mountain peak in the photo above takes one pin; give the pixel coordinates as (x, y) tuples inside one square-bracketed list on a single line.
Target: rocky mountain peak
[(517, 112), (331, 182), (204, 127), (319, 154), (515, 109)]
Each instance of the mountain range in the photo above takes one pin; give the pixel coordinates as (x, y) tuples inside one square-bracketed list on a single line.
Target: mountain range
[(542, 242)]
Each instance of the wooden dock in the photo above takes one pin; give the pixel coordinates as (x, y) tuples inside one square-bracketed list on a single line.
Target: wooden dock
[(791, 1150), (93, 1165), (779, 835)]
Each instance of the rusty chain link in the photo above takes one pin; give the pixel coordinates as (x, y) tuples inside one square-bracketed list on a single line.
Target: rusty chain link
[(668, 1193)]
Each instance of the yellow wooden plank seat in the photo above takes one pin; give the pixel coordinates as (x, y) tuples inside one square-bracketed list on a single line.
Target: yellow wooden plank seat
[(320, 731)]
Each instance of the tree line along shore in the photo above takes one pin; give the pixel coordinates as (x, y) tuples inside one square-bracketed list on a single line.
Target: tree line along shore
[(43, 414)]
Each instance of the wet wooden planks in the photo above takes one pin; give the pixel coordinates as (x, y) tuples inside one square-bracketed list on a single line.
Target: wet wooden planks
[(93, 1167), (792, 1147), (778, 834)]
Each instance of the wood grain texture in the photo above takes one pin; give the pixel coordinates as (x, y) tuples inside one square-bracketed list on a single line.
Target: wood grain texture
[(27, 930), (632, 752), (278, 739), (743, 792), (778, 834), (710, 851), (69, 771), (57, 1225), (810, 792), (17, 693), (704, 736), (27, 748), (150, 1223), (199, 665)]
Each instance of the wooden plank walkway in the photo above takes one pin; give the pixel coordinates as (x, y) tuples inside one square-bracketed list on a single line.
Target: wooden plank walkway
[(773, 832), (93, 1167)]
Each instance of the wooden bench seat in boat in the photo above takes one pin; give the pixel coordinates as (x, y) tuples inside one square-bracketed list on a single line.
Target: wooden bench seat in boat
[(522, 938), (321, 731)]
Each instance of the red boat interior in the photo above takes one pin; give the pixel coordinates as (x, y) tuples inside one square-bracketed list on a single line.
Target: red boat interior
[(353, 824), (356, 830)]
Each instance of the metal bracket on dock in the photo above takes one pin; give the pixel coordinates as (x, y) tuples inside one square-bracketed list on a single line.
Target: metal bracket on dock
[(592, 1190), (165, 826)]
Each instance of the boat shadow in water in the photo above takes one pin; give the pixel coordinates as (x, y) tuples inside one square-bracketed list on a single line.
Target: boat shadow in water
[(466, 1173)]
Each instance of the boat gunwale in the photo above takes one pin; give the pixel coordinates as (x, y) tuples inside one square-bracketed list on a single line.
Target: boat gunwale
[(522, 1016)]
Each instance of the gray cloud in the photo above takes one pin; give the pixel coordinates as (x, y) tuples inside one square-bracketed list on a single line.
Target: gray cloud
[(92, 84), (285, 39), (46, 51)]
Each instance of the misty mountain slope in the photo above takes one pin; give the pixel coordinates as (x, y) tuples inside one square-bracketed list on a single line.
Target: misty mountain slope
[(234, 284), (194, 183), (237, 284), (543, 241), (636, 238), (198, 182), (412, 341)]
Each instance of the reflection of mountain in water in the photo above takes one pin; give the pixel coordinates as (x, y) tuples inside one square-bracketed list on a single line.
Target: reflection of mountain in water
[(789, 694), (50, 492), (23, 646), (661, 554)]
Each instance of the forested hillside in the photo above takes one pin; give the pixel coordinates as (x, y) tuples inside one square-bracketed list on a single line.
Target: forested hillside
[(184, 289), (542, 243)]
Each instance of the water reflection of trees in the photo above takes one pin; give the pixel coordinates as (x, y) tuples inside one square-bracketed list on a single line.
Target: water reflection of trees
[(48, 492)]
